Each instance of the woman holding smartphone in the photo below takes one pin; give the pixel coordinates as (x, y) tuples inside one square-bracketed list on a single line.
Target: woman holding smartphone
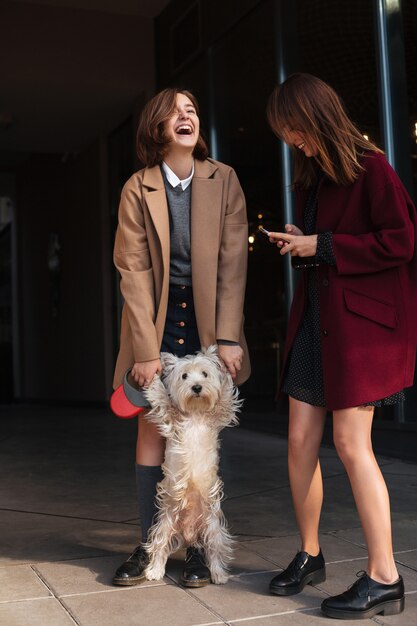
[(351, 342), (181, 250)]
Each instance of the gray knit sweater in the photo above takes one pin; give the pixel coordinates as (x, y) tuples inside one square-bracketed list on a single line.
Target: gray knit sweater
[(179, 204)]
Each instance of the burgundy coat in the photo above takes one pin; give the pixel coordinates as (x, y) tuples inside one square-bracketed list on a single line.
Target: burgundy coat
[(368, 301)]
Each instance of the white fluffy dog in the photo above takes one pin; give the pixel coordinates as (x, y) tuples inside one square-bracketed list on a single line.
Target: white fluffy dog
[(194, 400)]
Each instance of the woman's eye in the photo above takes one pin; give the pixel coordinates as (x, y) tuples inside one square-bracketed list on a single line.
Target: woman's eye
[(204, 374), (184, 376)]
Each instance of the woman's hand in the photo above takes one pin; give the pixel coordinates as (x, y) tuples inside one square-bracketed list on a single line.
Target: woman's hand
[(294, 242), (232, 357), (144, 372), (290, 229)]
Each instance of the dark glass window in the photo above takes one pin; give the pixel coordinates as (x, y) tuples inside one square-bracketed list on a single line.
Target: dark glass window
[(336, 42), (244, 73)]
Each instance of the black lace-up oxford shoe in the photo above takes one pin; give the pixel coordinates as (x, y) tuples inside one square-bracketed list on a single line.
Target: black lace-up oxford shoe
[(303, 570), (131, 572), (366, 598), (195, 573)]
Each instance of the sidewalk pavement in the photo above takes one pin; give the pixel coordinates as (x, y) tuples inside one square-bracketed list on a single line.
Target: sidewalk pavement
[(69, 517)]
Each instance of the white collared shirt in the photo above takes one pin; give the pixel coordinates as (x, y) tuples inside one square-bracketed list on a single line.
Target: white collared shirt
[(173, 179)]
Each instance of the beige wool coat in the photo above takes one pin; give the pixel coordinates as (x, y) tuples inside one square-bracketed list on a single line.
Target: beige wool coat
[(219, 243)]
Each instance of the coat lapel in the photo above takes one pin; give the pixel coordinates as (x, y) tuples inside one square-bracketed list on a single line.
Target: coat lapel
[(206, 212), (156, 201)]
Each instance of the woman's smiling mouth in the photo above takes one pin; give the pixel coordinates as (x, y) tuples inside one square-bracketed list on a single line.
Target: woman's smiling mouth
[(184, 129)]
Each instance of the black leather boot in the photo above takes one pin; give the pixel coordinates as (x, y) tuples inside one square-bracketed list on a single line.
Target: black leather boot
[(131, 572), (303, 570), (195, 573), (366, 598)]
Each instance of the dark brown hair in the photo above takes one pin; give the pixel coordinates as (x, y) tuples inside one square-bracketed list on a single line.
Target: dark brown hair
[(307, 104), (151, 141)]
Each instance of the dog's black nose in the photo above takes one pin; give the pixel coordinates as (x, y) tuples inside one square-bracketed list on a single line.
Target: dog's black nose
[(196, 388)]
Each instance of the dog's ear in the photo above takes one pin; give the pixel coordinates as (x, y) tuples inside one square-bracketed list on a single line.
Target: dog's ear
[(212, 354), (168, 361)]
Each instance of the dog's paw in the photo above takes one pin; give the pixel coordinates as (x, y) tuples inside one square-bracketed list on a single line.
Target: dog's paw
[(219, 577), (154, 573)]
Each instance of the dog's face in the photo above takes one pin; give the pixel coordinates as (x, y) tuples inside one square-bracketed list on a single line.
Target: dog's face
[(194, 383)]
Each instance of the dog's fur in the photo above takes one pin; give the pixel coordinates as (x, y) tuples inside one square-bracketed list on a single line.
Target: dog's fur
[(194, 400)]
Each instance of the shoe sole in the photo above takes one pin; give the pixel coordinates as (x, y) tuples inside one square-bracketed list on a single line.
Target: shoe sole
[(392, 607), (128, 582), (197, 583), (319, 576)]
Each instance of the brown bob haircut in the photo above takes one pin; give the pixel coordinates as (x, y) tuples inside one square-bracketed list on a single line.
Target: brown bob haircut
[(151, 141), (307, 104)]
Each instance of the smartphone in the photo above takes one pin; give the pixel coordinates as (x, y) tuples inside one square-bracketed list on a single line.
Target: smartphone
[(264, 231)]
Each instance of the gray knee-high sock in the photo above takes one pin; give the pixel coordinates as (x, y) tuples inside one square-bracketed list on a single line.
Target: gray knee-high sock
[(147, 477)]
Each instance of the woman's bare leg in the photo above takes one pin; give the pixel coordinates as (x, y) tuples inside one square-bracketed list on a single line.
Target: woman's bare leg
[(352, 438), (304, 439), (150, 446)]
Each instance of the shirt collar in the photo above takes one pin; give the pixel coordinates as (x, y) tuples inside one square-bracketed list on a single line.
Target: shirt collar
[(173, 179)]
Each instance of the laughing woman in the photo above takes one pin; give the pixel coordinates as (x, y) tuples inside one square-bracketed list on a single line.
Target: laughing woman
[(351, 342), (181, 250)]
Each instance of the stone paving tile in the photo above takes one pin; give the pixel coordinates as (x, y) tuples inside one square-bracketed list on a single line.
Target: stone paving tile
[(63, 493), (281, 550), (408, 558), (247, 539), (165, 605), (53, 482), (20, 583), (312, 617), (272, 474), (400, 468), (247, 596), (404, 533), (252, 476), (271, 514), (31, 538), (261, 514), (82, 575), (339, 509), (44, 612), (403, 494), (247, 562)]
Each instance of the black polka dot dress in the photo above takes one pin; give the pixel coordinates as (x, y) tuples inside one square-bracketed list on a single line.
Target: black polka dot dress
[(304, 377)]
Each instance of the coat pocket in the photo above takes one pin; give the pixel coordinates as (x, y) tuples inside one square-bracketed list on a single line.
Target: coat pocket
[(375, 310)]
